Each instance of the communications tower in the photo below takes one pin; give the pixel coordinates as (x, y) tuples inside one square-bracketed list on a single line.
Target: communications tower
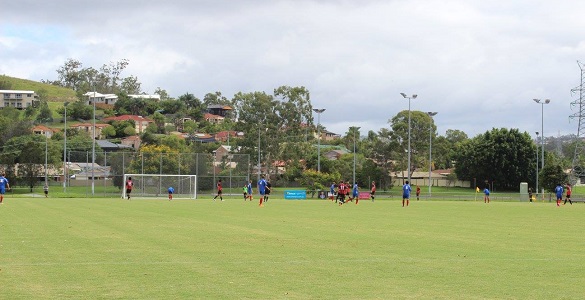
[(578, 167)]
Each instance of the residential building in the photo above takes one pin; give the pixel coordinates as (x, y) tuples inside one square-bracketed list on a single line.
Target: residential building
[(224, 136), (43, 130), (219, 109), (109, 99), (132, 141), (18, 99), (88, 127), (140, 122), (211, 118)]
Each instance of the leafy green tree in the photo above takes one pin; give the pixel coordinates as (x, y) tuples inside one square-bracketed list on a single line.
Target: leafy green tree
[(503, 155), (420, 123), (552, 173), (45, 114), (28, 151)]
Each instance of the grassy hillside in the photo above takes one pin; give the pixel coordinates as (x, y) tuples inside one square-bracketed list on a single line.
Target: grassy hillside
[(54, 93)]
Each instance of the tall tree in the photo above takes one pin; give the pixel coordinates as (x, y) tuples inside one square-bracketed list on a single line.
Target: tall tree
[(503, 155)]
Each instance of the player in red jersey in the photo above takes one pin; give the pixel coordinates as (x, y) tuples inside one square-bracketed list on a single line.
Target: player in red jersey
[(219, 191), (129, 186), (373, 191)]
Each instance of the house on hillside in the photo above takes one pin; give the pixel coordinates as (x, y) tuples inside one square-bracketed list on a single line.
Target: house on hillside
[(97, 98), (44, 130), (219, 109), (214, 119), (88, 127), (132, 141), (140, 122), (224, 136), (335, 154), (18, 99)]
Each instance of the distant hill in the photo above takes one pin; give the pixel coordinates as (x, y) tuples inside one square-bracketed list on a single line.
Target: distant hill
[(54, 93)]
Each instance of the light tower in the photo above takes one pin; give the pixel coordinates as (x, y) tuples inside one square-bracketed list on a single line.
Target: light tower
[(577, 170)]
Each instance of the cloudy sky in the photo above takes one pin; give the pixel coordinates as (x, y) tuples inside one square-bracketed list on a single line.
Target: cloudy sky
[(477, 63)]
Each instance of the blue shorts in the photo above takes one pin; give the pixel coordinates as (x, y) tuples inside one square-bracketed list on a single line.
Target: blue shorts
[(2, 191), (262, 192), (405, 196)]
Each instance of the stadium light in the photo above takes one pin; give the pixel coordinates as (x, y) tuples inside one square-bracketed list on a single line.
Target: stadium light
[(319, 111), (355, 129), (65, 149), (409, 98), (93, 149), (536, 190), (431, 114), (542, 103)]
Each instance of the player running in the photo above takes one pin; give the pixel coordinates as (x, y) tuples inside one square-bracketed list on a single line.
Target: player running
[(406, 189), (373, 191), (219, 191), (268, 190), (262, 189), (559, 192), (3, 187), (129, 185), (568, 197), (355, 193)]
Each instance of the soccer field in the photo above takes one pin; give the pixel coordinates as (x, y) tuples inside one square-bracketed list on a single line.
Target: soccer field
[(201, 249)]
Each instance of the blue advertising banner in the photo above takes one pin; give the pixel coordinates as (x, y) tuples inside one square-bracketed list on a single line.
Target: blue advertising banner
[(295, 195)]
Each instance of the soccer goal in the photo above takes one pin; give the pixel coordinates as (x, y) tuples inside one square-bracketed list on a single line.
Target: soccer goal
[(157, 185)]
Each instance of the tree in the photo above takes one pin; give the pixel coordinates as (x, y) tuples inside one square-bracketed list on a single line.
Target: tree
[(552, 173), (28, 151), (45, 114), (504, 155), (420, 123)]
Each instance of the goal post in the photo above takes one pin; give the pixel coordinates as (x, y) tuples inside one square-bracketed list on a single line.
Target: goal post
[(157, 185)]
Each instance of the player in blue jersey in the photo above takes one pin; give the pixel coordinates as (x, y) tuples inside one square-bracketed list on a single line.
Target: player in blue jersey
[(486, 195), (559, 191), (262, 189), (171, 190), (355, 193), (406, 189), (332, 191), (250, 190), (3, 186)]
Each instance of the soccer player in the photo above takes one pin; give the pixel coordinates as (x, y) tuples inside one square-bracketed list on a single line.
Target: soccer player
[(129, 186), (355, 193), (219, 191), (373, 190), (245, 190), (3, 187), (559, 192), (568, 197), (332, 191), (417, 193), (486, 195), (250, 190), (341, 192), (530, 194), (268, 190), (406, 189), (46, 190), (171, 190), (262, 189)]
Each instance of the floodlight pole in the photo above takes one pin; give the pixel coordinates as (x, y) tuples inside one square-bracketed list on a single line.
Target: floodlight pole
[(65, 150), (93, 148), (409, 98), (354, 155), (536, 163), (431, 114), (542, 103), (319, 111)]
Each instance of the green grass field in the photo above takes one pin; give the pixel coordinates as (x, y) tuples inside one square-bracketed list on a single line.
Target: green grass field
[(187, 249)]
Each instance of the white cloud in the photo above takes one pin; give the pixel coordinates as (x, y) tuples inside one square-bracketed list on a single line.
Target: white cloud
[(478, 63)]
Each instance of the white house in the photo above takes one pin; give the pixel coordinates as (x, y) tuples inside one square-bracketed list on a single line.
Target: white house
[(18, 99)]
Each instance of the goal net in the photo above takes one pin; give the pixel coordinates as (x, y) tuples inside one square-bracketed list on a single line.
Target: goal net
[(157, 185)]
